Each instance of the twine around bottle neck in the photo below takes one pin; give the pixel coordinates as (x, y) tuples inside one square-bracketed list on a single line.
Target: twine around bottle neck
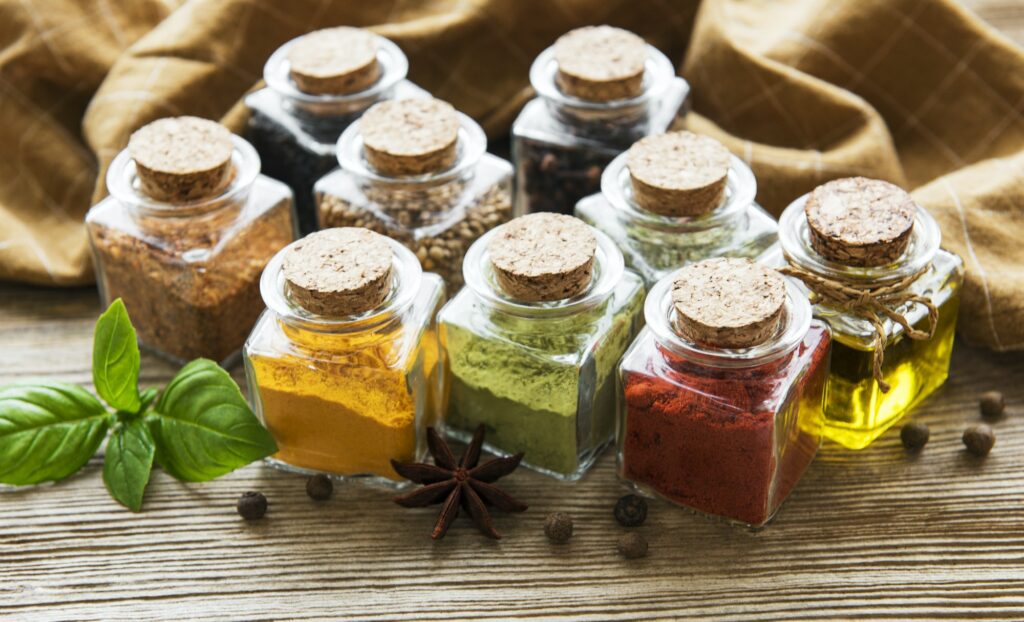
[(871, 302)]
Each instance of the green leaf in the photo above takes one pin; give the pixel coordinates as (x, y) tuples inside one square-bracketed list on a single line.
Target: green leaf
[(203, 427), (128, 462), (48, 431), (115, 359)]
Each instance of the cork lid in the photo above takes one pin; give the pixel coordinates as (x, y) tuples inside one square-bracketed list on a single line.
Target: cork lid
[(728, 303), (600, 63), (334, 61), (678, 173), (543, 257), (339, 272), (182, 158), (410, 136), (859, 221)]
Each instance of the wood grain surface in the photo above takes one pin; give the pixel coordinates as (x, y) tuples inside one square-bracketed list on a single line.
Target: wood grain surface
[(875, 534)]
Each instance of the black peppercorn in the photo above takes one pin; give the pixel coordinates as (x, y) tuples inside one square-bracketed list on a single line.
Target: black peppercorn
[(992, 404), (252, 505), (915, 436), (558, 527), (632, 545), (319, 487), (979, 439), (631, 511)]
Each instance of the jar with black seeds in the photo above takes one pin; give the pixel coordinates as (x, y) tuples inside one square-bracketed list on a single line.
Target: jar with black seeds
[(599, 90), (436, 198), (310, 99)]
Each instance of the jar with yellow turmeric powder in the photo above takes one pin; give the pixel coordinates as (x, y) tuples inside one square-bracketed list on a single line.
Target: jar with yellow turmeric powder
[(344, 367)]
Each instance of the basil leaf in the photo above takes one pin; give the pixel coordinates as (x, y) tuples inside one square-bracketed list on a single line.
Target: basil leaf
[(115, 359), (48, 431), (128, 462), (203, 427)]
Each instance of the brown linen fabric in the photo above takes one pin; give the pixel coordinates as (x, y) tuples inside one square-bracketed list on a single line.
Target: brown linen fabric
[(917, 92)]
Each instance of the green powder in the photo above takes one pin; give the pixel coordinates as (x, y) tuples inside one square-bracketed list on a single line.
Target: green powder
[(543, 386)]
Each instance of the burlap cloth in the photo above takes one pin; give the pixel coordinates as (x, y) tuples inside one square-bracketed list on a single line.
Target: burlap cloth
[(918, 92)]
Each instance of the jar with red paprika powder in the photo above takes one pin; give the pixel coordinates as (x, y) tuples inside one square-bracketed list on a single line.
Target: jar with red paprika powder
[(720, 401)]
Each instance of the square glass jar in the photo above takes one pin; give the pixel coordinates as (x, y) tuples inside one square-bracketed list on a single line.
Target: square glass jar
[(296, 132), (436, 215), (857, 411), (560, 143), (189, 273), (540, 377), (655, 245), (344, 396), (725, 432)]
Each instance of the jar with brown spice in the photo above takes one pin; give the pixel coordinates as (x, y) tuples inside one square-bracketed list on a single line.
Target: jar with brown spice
[(599, 90), (185, 234), (317, 85), (675, 199), (416, 170)]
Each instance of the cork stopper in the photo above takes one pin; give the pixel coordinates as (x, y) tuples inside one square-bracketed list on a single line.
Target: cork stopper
[(728, 303), (410, 136), (600, 63), (543, 257), (182, 158), (678, 173), (334, 61), (339, 272), (860, 222)]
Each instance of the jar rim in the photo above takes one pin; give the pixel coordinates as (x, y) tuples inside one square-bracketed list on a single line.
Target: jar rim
[(661, 315), (123, 183), (478, 274), (658, 74), (470, 147), (406, 275), (740, 191), (392, 61), (794, 239)]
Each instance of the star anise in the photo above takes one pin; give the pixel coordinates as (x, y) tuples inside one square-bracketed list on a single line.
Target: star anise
[(459, 483)]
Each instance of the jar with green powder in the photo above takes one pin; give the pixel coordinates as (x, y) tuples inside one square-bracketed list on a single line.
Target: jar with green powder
[(533, 341)]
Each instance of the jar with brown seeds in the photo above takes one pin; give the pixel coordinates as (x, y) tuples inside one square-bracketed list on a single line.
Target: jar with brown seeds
[(438, 211)]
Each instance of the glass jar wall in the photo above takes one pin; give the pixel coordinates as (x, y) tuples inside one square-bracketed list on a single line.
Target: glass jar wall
[(655, 245), (346, 395), (437, 214), (295, 131), (561, 143), (857, 410), (188, 272), (725, 432), (539, 375)]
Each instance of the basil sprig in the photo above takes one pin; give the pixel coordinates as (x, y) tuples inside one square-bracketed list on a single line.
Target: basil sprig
[(198, 428)]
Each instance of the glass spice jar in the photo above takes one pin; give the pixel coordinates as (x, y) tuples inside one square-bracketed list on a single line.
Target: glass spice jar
[(344, 368), (184, 235), (599, 90), (720, 396), (316, 86), (704, 206), (533, 340), (441, 194), (870, 261)]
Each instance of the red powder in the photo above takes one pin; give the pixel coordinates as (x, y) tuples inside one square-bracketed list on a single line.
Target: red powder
[(731, 442)]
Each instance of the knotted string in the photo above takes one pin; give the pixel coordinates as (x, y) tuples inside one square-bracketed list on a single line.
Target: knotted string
[(870, 302)]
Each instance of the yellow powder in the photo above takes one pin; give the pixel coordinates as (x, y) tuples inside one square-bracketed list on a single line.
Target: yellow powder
[(346, 404)]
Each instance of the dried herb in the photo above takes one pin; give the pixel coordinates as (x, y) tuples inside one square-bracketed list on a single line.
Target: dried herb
[(459, 483)]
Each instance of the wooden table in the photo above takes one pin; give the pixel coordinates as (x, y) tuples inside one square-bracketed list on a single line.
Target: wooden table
[(871, 534)]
